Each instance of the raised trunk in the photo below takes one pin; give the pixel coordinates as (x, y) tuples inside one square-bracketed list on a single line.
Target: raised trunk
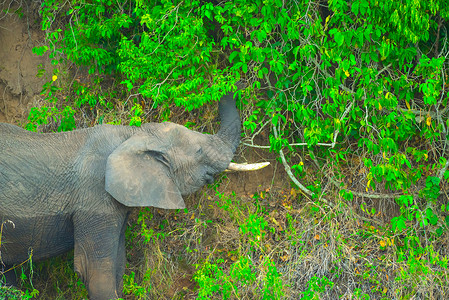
[(230, 128)]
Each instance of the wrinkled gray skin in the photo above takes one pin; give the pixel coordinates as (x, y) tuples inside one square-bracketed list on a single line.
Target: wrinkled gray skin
[(75, 189)]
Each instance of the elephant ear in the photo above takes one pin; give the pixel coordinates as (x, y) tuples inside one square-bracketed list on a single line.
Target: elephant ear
[(137, 175)]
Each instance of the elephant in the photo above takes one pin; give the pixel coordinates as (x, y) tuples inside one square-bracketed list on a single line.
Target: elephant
[(75, 190)]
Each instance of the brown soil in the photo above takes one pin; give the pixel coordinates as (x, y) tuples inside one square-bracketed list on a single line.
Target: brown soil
[(272, 177), (19, 85)]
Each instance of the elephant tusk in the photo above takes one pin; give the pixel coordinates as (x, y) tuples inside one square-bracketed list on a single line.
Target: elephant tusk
[(246, 167)]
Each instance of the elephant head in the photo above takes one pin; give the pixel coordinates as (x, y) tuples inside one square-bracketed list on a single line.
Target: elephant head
[(160, 163)]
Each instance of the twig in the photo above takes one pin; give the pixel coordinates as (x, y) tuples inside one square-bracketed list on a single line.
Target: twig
[(290, 173), (256, 146)]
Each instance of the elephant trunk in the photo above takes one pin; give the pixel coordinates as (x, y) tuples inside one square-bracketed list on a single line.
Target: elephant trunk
[(230, 128)]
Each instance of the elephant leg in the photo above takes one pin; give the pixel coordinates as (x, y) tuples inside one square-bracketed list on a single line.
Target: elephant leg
[(96, 250), (121, 258)]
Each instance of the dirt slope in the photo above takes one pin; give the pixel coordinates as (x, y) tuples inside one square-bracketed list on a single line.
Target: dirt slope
[(19, 85)]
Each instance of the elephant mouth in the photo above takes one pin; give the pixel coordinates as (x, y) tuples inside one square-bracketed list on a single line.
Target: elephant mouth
[(209, 178)]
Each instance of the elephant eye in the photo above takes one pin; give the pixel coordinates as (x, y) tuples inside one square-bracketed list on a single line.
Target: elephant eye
[(199, 151), (160, 157)]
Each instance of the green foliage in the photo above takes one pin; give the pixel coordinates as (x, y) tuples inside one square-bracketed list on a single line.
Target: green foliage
[(273, 286), (130, 287), (254, 229), (213, 281), (14, 294), (136, 113), (316, 286), (40, 116), (161, 50)]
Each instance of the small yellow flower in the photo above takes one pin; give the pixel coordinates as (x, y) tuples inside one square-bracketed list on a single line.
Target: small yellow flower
[(429, 120), (367, 185), (54, 77)]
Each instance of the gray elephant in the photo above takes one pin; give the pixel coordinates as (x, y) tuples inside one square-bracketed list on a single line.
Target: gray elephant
[(60, 191)]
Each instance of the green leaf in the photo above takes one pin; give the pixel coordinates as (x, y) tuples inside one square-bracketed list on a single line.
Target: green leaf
[(338, 38), (233, 55), (261, 35), (40, 50), (398, 224), (355, 7)]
